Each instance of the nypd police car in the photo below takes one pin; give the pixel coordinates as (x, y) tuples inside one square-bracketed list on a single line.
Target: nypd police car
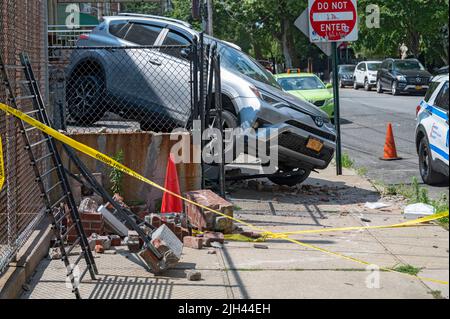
[(432, 133)]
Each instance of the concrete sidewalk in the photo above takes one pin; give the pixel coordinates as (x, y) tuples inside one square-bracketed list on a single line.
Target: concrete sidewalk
[(284, 270)]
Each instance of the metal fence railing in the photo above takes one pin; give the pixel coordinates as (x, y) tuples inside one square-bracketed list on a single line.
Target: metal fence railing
[(61, 35), (120, 89)]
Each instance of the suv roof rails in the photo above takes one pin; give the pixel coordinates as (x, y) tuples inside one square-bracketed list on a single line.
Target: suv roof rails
[(156, 17)]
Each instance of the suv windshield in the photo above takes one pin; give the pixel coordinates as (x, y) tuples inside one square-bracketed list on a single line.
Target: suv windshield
[(301, 83), (237, 61), (347, 68), (408, 65), (373, 66)]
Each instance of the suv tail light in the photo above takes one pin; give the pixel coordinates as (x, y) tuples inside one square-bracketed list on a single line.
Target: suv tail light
[(83, 37), (418, 109)]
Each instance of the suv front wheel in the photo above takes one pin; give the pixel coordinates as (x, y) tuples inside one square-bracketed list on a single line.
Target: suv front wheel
[(429, 176), (379, 87), (294, 176)]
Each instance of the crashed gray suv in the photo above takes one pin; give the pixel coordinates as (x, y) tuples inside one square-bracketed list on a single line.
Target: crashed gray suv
[(252, 98)]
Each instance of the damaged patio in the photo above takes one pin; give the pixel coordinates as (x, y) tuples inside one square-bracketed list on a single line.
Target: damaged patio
[(277, 269)]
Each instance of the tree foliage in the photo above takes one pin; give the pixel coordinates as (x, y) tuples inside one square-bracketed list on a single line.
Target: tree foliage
[(265, 28)]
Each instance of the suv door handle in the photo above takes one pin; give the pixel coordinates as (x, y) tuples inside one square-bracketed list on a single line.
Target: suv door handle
[(155, 62)]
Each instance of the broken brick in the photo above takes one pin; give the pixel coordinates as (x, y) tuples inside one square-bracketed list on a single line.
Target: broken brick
[(211, 237), (193, 275), (193, 242), (203, 219)]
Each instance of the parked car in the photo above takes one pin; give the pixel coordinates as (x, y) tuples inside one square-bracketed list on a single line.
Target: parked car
[(310, 88), (345, 75), (366, 75), (252, 98), (432, 133), (443, 70), (403, 76)]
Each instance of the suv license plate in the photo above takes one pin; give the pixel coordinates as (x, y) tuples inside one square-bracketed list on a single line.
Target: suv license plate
[(314, 144), (418, 87)]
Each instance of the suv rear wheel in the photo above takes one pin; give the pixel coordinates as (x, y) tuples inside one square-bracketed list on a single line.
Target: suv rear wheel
[(429, 176), (85, 100)]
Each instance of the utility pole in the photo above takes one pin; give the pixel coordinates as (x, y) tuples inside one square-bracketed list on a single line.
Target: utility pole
[(208, 18)]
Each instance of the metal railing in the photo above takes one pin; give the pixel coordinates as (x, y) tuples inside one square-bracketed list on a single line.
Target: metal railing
[(61, 35)]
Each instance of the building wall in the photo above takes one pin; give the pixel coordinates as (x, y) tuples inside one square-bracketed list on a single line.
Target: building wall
[(22, 29)]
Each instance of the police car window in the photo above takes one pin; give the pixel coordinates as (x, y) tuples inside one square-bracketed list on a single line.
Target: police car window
[(442, 99), (431, 90), (143, 34), (119, 28)]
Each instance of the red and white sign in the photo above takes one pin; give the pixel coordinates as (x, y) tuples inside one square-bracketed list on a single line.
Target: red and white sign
[(333, 20)]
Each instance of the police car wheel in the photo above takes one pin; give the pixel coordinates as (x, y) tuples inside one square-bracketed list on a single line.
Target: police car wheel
[(429, 176)]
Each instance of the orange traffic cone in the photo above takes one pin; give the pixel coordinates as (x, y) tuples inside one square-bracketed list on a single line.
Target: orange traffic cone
[(170, 203), (390, 150)]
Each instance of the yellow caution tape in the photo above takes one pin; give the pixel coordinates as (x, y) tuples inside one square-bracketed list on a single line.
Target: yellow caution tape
[(411, 223), (2, 166), (114, 164)]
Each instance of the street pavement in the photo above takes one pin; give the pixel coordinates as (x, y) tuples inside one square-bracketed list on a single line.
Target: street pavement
[(364, 119), (283, 270)]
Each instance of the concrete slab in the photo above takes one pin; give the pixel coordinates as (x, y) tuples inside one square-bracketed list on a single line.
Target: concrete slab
[(323, 285)]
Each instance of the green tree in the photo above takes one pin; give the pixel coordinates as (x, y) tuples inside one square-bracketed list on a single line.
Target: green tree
[(417, 23)]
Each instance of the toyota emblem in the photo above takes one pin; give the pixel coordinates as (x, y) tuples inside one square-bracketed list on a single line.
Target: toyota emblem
[(319, 121)]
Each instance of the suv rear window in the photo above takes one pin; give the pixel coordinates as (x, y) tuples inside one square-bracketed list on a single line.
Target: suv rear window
[(119, 28), (431, 89), (143, 34)]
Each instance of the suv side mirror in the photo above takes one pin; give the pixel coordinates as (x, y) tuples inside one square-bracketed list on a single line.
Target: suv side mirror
[(186, 53), (329, 86)]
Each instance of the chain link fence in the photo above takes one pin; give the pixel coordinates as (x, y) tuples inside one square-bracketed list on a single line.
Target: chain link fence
[(22, 26), (122, 89)]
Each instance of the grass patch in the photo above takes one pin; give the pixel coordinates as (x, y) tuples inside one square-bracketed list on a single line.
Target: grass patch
[(414, 193), (362, 171), (347, 162), (408, 269), (236, 208), (437, 294)]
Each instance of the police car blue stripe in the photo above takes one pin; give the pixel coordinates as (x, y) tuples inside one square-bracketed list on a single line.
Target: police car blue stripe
[(437, 150), (435, 110)]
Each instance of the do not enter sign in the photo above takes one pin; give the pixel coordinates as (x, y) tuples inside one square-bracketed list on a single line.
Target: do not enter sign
[(333, 20)]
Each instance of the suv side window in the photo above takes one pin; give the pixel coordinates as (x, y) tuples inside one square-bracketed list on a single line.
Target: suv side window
[(175, 38), (363, 67), (119, 28), (143, 34), (442, 98), (389, 65), (431, 89)]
